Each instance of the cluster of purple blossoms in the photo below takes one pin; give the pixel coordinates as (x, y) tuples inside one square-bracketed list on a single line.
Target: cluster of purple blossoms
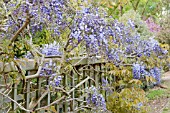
[(49, 50), (104, 82), (156, 74), (97, 33), (154, 45), (101, 33), (48, 14), (89, 26), (55, 81), (139, 105), (146, 47), (139, 72), (96, 99), (52, 49), (105, 86), (44, 14), (48, 69)]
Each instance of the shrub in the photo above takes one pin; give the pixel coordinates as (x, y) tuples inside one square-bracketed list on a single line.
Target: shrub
[(129, 100)]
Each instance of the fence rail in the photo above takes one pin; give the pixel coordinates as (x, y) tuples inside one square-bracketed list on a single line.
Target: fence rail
[(89, 71)]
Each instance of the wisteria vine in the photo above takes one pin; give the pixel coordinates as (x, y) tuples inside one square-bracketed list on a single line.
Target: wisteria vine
[(91, 28)]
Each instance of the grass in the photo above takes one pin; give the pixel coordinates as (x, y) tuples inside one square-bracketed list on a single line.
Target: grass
[(153, 94)]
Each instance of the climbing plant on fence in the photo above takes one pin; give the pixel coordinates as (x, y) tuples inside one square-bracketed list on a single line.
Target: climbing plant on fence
[(73, 56)]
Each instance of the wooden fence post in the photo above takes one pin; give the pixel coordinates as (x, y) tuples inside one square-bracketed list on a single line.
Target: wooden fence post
[(102, 68), (14, 94), (27, 94), (48, 96), (78, 89), (96, 75), (73, 93)]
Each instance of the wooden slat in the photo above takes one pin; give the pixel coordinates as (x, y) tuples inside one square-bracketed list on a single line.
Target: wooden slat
[(73, 93), (93, 74), (18, 98), (14, 93), (96, 75), (102, 68), (78, 89), (27, 95), (38, 92), (26, 65), (31, 64), (49, 94)]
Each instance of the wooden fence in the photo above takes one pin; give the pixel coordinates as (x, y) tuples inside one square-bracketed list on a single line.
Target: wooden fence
[(87, 72)]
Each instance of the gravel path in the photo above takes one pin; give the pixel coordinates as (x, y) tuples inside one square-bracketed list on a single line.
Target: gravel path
[(166, 76)]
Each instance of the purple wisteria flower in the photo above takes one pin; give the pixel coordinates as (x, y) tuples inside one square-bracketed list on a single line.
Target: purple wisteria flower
[(46, 14), (96, 99), (139, 105), (55, 80), (131, 24), (52, 49), (48, 68), (139, 71), (156, 74)]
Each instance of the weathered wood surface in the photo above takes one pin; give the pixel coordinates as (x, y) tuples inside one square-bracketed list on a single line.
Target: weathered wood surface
[(31, 64)]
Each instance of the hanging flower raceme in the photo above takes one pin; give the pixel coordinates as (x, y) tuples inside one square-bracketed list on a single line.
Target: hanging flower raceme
[(90, 27), (44, 14), (140, 71), (95, 99), (52, 49), (156, 74)]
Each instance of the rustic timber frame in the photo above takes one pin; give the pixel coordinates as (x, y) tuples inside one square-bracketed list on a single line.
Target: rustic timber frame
[(90, 71)]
